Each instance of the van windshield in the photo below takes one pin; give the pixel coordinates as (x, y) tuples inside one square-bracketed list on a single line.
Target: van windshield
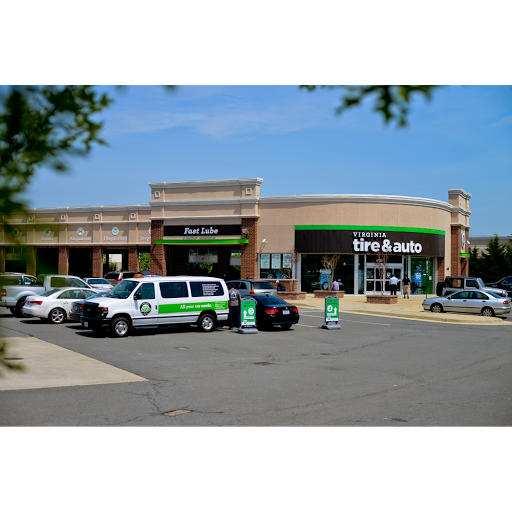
[(123, 289)]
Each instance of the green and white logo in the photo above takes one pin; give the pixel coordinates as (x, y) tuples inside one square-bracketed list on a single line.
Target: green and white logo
[(463, 240), (47, 232), (145, 308), (149, 231), (15, 232), (115, 231), (80, 231)]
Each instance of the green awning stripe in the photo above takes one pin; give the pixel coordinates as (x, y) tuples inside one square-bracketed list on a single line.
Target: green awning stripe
[(204, 242), (368, 228)]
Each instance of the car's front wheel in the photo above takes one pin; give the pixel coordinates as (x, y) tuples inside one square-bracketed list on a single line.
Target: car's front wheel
[(487, 312), (57, 316), (436, 308), (120, 327)]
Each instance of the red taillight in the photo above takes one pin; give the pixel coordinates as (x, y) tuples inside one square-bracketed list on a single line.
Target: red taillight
[(273, 311), (4, 293), (117, 280), (38, 302), (251, 292), (505, 302), (295, 310)]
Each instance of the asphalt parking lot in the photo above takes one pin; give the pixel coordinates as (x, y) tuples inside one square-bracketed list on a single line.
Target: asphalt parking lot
[(374, 371)]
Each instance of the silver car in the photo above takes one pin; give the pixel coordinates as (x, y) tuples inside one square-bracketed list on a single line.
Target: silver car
[(98, 282), (252, 286), (469, 301)]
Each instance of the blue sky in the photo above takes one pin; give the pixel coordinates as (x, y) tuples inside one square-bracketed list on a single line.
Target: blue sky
[(293, 140)]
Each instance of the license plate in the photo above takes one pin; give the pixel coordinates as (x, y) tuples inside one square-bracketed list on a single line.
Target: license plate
[(86, 324), (286, 312)]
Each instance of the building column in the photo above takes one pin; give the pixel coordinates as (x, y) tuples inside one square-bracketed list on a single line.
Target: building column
[(249, 268), (63, 260), (97, 261), (456, 240), (31, 260), (2, 259), (440, 269), (133, 258), (158, 265)]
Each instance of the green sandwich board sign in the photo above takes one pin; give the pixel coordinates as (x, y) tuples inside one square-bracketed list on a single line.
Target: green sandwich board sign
[(332, 308), (248, 313)]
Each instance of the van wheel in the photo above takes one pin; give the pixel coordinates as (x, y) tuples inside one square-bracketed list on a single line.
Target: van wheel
[(120, 327), (207, 322), (57, 316), (487, 312)]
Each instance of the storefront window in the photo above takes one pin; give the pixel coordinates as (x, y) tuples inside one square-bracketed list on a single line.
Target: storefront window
[(310, 272), (276, 266)]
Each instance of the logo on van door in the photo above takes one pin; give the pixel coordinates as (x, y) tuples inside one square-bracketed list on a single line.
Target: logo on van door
[(145, 308)]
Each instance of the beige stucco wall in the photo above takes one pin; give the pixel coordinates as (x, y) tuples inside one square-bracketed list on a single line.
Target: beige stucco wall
[(277, 220)]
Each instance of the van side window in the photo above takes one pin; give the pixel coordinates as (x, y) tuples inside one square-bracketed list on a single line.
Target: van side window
[(147, 291), (202, 289), (172, 290), (471, 283)]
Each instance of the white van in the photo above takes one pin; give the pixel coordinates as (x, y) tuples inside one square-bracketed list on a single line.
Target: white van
[(158, 301)]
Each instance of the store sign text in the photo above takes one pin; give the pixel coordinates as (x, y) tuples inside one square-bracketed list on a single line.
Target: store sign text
[(361, 244)]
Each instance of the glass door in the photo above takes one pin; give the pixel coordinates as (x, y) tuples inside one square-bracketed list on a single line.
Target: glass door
[(422, 276)]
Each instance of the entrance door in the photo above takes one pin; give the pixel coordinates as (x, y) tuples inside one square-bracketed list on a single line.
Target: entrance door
[(377, 277)]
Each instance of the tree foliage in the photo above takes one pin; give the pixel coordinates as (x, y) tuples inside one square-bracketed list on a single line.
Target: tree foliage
[(392, 101), (494, 263)]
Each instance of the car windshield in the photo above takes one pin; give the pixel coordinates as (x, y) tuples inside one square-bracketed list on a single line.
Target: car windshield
[(495, 295), (97, 281), (123, 289), (49, 292), (263, 285), (100, 294), (270, 301), (112, 275)]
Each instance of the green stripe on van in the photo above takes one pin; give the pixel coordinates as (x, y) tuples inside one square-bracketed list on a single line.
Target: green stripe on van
[(368, 228), (195, 306)]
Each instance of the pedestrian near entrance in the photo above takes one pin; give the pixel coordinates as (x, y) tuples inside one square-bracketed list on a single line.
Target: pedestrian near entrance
[(280, 286), (335, 286), (407, 285), (393, 282), (234, 306)]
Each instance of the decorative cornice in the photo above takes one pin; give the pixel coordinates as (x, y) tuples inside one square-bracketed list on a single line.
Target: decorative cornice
[(458, 209), (206, 183), (460, 192), (203, 202), (209, 217), (81, 209), (358, 198)]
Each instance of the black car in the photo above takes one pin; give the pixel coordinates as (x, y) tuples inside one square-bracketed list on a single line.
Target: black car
[(272, 310), (505, 283)]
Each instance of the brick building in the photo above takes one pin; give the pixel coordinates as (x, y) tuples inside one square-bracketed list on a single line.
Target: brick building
[(225, 228)]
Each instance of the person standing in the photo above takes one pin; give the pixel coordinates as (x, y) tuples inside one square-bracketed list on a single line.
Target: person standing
[(234, 306), (393, 282), (407, 285)]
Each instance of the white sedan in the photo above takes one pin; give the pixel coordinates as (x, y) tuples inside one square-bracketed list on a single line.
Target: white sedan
[(55, 305), (98, 282)]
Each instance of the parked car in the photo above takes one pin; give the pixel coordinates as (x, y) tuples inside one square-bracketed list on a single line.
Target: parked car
[(77, 308), (13, 296), (99, 282), (252, 286), (114, 277), (470, 301), (54, 305), (272, 310), (453, 284), (505, 283)]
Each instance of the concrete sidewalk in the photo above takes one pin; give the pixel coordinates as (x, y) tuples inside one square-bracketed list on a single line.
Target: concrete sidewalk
[(406, 308)]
